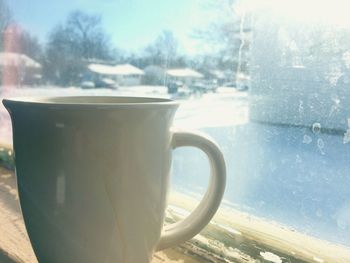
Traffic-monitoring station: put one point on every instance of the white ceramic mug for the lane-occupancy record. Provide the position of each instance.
(93, 175)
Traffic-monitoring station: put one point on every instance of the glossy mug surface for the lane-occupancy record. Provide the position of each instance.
(93, 176)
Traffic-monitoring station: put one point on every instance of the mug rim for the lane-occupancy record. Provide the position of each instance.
(86, 101)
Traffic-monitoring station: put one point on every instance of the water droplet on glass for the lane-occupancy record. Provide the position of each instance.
(316, 127)
(320, 145)
(301, 107)
(346, 137)
(307, 139)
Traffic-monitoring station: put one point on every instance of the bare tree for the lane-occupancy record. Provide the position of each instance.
(71, 45)
(5, 20)
(226, 35)
(13, 38)
(29, 45)
(163, 51)
(86, 32)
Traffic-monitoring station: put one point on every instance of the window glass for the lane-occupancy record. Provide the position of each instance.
(268, 80)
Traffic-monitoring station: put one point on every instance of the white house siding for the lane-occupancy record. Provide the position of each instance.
(129, 80)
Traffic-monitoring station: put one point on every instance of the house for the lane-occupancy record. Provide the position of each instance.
(123, 74)
(222, 76)
(128, 75)
(18, 69)
(185, 75)
(155, 75)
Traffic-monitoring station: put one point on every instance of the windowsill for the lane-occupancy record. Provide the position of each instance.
(232, 233)
(257, 235)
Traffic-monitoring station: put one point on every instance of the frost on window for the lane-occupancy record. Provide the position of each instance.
(299, 94)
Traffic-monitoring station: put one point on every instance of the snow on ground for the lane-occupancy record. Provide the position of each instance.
(213, 110)
(209, 110)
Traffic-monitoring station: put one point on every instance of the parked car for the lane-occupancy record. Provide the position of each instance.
(229, 85)
(173, 86)
(87, 84)
(240, 85)
(106, 83)
(99, 83)
(242, 82)
(204, 86)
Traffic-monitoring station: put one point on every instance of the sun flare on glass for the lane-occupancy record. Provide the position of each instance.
(334, 12)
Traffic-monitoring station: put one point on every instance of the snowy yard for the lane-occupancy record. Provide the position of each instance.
(194, 113)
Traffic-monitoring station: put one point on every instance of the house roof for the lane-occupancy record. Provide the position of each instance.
(184, 72)
(122, 69)
(101, 69)
(127, 69)
(17, 60)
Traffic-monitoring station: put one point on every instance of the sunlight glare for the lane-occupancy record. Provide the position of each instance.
(335, 12)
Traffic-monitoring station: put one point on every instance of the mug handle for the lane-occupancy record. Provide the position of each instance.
(184, 230)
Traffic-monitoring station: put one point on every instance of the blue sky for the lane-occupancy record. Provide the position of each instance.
(132, 24)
